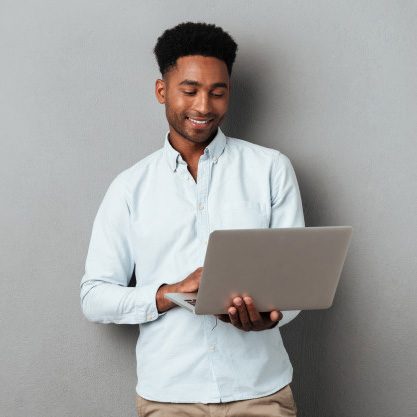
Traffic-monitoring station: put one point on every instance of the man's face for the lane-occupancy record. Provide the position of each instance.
(196, 96)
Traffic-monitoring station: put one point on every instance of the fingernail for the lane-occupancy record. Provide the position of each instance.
(248, 300)
(237, 301)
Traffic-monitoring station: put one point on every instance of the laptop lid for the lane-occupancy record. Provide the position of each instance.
(286, 268)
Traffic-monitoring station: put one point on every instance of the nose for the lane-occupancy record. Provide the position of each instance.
(202, 103)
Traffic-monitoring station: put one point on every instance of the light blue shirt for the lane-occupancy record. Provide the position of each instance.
(155, 217)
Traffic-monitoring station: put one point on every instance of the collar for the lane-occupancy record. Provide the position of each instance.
(213, 150)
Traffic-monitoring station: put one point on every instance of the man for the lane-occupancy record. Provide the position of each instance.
(156, 217)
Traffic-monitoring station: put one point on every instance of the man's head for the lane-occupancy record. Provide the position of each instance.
(195, 60)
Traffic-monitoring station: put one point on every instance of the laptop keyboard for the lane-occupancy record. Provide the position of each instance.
(192, 302)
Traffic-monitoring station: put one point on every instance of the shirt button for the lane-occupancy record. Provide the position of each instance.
(214, 160)
(211, 348)
(149, 316)
(201, 206)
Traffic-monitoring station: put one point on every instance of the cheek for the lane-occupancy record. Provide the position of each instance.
(175, 110)
(180, 108)
(221, 108)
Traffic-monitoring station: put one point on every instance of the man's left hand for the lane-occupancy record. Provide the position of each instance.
(244, 315)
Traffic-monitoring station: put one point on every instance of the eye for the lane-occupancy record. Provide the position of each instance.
(217, 95)
(189, 93)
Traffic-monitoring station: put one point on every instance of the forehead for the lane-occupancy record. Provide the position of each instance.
(204, 69)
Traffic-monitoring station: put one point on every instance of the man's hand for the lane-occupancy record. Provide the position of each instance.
(192, 282)
(188, 284)
(244, 315)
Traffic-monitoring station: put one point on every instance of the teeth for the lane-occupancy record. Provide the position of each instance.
(199, 122)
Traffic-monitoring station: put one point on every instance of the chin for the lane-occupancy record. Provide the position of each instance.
(202, 136)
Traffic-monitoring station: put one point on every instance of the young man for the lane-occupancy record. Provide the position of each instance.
(157, 216)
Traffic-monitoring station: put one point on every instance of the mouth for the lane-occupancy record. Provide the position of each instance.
(199, 123)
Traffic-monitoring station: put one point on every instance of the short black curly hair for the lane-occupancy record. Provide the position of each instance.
(191, 38)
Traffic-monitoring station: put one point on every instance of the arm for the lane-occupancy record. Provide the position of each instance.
(286, 208)
(105, 295)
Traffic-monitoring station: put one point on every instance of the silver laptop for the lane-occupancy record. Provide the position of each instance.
(294, 268)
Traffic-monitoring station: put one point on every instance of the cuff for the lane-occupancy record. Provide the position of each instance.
(146, 302)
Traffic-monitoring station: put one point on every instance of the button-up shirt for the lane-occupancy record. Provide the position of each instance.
(157, 219)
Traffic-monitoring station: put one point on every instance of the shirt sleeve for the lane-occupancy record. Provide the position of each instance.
(286, 208)
(105, 295)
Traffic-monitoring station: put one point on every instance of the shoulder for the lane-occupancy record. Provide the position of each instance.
(130, 176)
(261, 157)
(124, 183)
(242, 145)
(257, 152)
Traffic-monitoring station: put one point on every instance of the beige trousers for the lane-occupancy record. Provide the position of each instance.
(279, 404)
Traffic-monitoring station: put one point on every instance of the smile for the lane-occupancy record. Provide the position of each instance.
(199, 123)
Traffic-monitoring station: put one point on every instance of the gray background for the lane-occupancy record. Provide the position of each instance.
(332, 84)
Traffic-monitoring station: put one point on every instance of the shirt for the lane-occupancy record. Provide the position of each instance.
(156, 218)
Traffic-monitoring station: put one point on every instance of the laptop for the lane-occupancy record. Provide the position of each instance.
(294, 268)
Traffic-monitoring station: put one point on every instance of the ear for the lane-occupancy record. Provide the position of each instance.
(160, 90)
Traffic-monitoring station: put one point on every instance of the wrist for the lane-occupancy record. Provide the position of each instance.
(163, 304)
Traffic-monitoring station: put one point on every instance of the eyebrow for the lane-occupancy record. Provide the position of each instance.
(197, 84)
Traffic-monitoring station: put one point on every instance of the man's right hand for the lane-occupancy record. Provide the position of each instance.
(189, 284)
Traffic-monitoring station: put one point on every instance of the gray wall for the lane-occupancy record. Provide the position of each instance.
(332, 84)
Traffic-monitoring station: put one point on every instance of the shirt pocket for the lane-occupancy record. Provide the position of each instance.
(241, 215)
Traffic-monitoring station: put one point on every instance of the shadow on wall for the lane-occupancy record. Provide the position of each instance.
(244, 106)
(307, 338)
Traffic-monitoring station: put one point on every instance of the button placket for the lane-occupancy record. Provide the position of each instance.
(203, 178)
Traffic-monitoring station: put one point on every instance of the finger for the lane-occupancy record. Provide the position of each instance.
(254, 316)
(274, 318)
(243, 313)
(275, 315)
(234, 317)
(268, 322)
